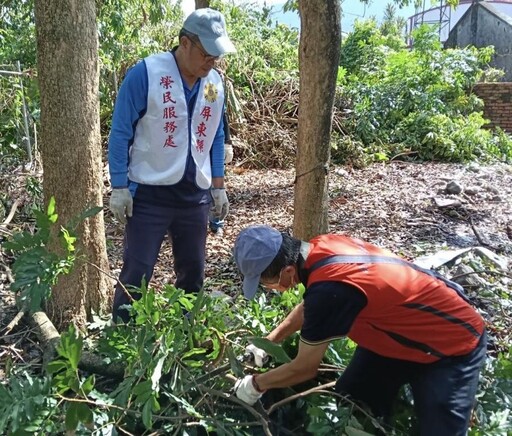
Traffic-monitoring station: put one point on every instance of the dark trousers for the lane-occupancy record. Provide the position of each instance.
(444, 391)
(144, 234)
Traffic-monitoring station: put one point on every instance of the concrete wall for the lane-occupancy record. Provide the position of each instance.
(497, 99)
(483, 25)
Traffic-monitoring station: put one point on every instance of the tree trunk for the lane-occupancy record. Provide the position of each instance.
(67, 55)
(319, 51)
(202, 4)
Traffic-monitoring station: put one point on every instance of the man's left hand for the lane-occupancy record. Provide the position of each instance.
(228, 153)
(245, 390)
(220, 207)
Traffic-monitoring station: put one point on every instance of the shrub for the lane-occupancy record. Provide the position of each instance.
(418, 102)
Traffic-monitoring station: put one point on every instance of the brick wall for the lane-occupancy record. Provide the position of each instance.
(497, 98)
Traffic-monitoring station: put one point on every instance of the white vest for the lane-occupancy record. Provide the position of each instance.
(163, 137)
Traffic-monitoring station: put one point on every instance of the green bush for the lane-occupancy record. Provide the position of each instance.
(418, 102)
(267, 52)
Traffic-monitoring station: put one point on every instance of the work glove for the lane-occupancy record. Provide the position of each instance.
(245, 390)
(228, 153)
(260, 356)
(220, 207)
(121, 203)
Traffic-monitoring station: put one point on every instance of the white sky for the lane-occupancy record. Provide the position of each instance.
(189, 5)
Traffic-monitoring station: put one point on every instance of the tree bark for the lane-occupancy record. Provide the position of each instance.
(319, 51)
(202, 4)
(67, 55)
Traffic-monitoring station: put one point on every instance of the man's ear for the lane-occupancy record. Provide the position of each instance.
(184, 41)
(289, 269)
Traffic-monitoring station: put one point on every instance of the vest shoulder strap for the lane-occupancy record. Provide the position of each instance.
(368, 258)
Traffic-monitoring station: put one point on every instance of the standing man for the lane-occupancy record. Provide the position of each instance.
(166, 155)
(411, 325)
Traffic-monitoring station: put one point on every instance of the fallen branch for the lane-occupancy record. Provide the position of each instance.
(405, 153)
(300, 395)
(322, 390)
(8, 273)
(91, 362)
(478, 235)
(259, 416)
(11, 213)
(50, 337)
(5, 231)
(14, 322)
(47, 335)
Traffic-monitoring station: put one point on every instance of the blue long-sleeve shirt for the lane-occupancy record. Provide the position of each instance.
(130, 107)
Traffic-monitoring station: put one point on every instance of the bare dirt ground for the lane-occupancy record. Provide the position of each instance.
(412, 209)
(392, 205)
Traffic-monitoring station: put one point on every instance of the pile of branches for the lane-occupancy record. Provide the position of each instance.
(264, 128)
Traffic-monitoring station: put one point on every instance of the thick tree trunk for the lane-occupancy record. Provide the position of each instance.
(67, 55)
(319, 50)
(202, 4)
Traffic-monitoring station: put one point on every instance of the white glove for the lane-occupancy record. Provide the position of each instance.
(245, 390)
(220, 207)
(121, 203)
(228, 153)
(259, 355)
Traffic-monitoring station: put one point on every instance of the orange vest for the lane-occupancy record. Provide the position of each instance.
(410, 315)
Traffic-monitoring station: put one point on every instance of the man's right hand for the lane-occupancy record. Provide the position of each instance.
(121, 204)
(260, 356)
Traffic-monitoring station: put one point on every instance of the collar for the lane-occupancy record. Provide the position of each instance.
(302, 272)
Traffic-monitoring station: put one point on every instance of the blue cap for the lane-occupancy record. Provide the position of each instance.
(255, 249)
(210, 27)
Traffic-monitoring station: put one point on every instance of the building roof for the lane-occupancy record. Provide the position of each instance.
(491, 9)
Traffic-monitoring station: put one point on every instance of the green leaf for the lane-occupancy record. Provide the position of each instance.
(29, 409)
(351, 431)
(84, 413)
(236, 366)
(52, 216)
(88, 384)
(273, 349)
(147, 414)
(193, 352)
(84, 215)
(142, 387)
(72, 420)
(123, 391)
(189, 408)
(55, 366)
(70, 347)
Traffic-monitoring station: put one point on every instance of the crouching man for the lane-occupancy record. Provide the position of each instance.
(411, 325)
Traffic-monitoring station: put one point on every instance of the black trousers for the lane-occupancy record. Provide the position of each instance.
(444, 391)
(145, 231)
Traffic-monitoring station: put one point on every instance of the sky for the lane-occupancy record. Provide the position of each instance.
(351, 10)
